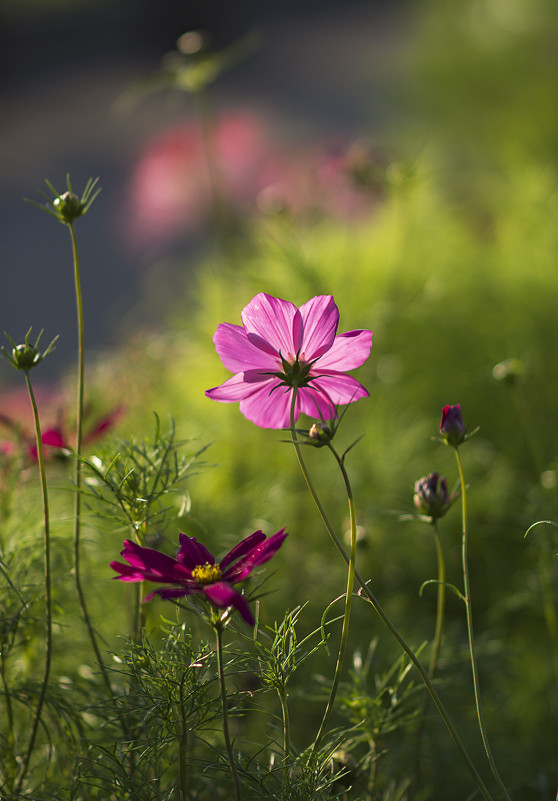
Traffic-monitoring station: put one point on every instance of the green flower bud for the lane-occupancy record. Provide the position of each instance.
(26, 356)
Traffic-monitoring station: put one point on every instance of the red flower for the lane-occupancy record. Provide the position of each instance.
(194, 571)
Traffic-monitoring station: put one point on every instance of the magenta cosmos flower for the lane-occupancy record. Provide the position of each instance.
(194, 571)
(279, 348)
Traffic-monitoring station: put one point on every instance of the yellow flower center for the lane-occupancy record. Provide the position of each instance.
(206, 574)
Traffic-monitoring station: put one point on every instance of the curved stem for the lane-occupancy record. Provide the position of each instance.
(348, 597)
(219, 632)
(387, 622)
(79, 437)
(48, 594)
(470, 636)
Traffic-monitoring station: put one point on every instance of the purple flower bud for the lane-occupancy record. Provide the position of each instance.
(452, 427)
(432, 497)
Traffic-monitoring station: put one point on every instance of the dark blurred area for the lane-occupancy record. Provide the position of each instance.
(321, 69)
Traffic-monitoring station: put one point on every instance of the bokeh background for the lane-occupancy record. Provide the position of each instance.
(400, 156)
(73, 100)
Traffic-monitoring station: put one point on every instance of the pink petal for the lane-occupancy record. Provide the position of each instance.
(222, 595)
(348, 351)
(238, 353)
(171, 592)
(315, 402)
(260, 554)
(153, 565)
(339, 387)
(242, 548)
(269, 324)
(104, 424)
(241, 386)
(320, 317)
(266, 408)
(193, 553)
(53, 437)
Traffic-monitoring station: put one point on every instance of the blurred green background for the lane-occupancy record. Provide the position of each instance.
(454, 268)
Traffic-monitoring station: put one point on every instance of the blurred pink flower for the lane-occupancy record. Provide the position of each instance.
(55, 438)
(171, 188)
(280, 348)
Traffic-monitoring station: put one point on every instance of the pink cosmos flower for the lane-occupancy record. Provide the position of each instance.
(194, 571)
(280, 348)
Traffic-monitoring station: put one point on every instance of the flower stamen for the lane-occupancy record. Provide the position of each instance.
(207, 573)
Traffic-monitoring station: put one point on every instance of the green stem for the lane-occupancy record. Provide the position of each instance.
(387, 622)
(440, 608)
(79, 437)
(470, 636)
(48, 593)
(10, 717)
(348, 595)
(282, 693)
(549, 611)
(219, 632)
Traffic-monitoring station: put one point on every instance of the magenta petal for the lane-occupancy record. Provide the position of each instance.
(222, 595)
(348, 351)
(271, 321)
(267, 408)
(339, 387)
(260, 554)
(241, 386)
(171, 592)
(153, 565)
(316, 402)
(127, 573)
(238, 353)
(242, 548)
(54, 438)
(193, 553)
(320, 317)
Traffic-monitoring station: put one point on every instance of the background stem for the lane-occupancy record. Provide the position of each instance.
(228, 746)
(470, 636)
(48, 594)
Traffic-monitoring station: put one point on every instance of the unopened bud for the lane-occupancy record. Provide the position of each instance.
(452, 427)
(432, 497)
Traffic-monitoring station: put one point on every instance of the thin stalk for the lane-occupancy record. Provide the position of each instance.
(440, 609)
(470, 636)
(348, 595)
(282, 693)
(9, 716)
(48, 592)
(79, 437)
(219, 633)
(387, 622)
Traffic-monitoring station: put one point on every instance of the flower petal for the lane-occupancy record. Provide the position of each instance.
(348, 351)
(150, 565)
(268, 406)
(242, 548)
(269, 324)
(240, 386)
(171, 592)
(260, 554)
(315, 402)
(320, 317)
(339, 387)
(221, 594)
(193, 553)
(54, 438)
(238, 353)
